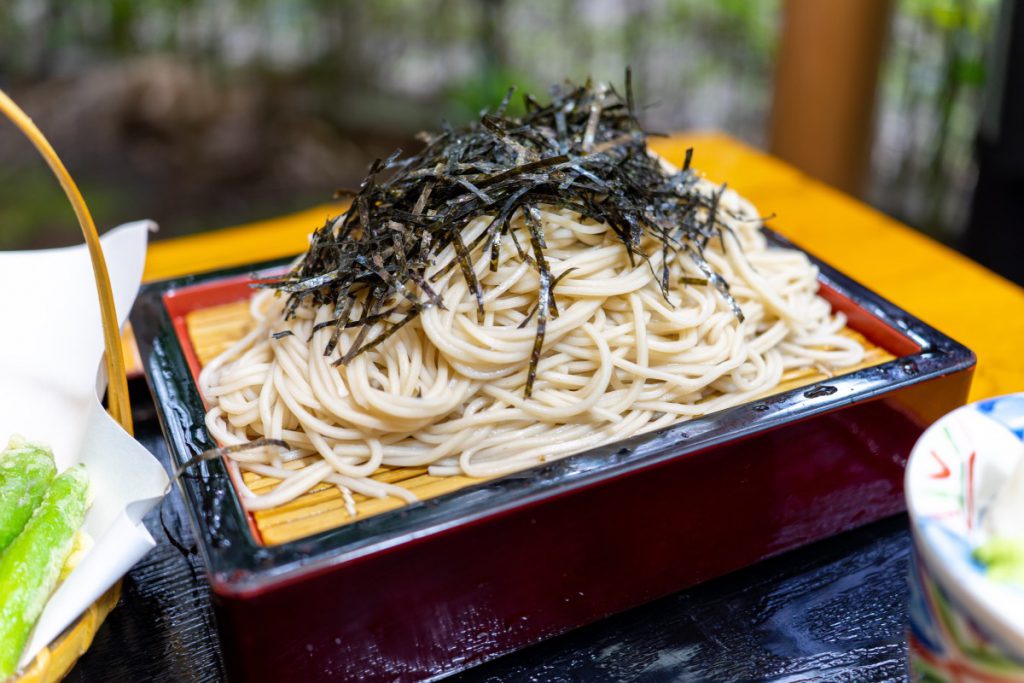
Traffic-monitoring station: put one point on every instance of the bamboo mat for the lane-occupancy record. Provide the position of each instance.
(214, 329)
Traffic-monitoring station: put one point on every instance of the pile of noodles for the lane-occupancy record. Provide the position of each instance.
(446, 390)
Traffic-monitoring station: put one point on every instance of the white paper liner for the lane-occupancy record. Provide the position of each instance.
(51, 348)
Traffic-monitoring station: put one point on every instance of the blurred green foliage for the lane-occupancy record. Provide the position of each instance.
(35, 202)
(198, 113)
(932, 93)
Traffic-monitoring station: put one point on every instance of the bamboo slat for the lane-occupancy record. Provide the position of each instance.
(214, 329)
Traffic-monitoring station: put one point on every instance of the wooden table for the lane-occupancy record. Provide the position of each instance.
(835, 609)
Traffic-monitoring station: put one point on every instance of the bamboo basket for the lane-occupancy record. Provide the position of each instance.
(55, 661)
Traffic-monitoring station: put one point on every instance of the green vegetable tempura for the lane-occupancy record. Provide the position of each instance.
(26, 469)
(31, 564)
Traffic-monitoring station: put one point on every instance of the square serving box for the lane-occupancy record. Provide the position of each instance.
(438, 586)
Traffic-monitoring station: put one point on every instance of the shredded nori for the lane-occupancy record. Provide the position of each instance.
(584, 150)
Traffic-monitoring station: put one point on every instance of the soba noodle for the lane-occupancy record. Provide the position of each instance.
(446, 390)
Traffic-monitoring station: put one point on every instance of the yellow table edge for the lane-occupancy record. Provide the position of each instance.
(931, 281)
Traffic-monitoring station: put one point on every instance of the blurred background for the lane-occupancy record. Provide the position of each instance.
(201, 115)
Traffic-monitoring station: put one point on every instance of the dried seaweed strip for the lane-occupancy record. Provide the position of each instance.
(466, 264)
(373, 302)
(630, 103)
(481, 195)
(501, 224)
(522, 170)
(347, 302)
(390, 330)
(544, 298)
(538, 340)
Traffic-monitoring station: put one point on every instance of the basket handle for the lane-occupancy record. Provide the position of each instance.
(117, 392)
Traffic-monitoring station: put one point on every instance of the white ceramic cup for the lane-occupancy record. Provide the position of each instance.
(965, 626)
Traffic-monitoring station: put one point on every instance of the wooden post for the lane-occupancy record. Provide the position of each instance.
(825, 85)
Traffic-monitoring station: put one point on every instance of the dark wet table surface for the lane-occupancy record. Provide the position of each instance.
(835, 610)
